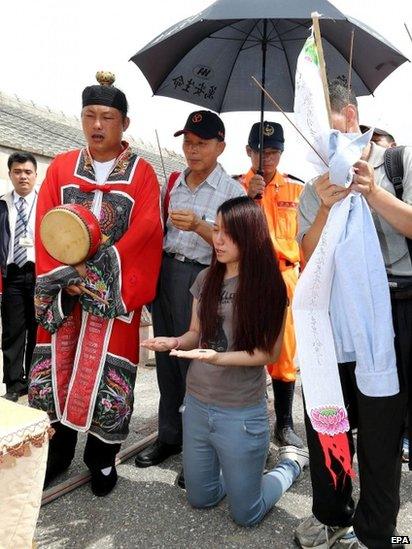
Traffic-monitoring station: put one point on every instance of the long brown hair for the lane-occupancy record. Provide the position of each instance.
(260, 300)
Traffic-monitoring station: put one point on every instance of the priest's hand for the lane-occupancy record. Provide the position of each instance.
(73, 290)
(329, 193)
(160, 344)
(185, 220)
(364, 179)
(81, 269)
(256, 186)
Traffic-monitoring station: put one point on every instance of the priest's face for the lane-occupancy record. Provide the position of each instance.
(103, 128)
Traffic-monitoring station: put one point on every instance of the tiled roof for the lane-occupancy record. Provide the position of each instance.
(26, 126)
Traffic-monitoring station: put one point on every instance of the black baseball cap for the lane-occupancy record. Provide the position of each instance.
(205, 124)
(272, 136)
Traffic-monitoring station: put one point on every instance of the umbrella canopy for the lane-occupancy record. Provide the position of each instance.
(208, 59)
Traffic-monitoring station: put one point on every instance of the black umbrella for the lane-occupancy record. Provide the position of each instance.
(208, 59)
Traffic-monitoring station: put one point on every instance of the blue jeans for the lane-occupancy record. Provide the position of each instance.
(224, 453)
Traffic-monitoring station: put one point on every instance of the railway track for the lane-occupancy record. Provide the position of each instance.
(78, 480)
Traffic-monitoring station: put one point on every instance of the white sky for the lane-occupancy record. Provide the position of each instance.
(51, 50)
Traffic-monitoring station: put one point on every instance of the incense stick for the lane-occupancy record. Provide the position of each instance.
(289, 119)
(407, 30)
(161, 156)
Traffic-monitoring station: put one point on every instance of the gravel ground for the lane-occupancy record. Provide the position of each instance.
(146, 510)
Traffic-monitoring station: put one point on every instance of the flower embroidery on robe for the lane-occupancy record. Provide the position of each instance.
(115, 401)
(40, 389)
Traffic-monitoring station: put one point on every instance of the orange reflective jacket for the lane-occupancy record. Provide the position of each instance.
(280, 204)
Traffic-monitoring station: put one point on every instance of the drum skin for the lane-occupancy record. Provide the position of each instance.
(70, 233)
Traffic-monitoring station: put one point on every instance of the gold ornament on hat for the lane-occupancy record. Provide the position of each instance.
(105, 78)
(268, 130)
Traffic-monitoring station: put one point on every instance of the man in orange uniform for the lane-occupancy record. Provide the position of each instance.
(278, 195)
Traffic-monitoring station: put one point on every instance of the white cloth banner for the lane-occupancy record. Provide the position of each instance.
(314, 337)
(361, 326)
(310, 111)
(342, 313)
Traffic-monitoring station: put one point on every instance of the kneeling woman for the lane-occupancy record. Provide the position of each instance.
(237, 321)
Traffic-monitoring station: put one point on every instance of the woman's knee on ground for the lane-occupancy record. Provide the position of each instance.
(246, 516)
(203, 499)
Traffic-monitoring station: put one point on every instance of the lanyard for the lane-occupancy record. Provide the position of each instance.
(19, 215)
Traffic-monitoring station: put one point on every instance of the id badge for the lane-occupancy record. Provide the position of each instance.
(26, 242)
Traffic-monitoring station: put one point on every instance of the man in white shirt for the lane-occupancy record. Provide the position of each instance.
(17, 219)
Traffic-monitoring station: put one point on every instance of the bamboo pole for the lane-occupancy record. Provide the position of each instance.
(322, 65)
(350, 73)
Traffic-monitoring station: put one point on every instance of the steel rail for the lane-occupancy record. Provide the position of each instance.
(78, 480)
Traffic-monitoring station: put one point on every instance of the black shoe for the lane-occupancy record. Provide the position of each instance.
(54, 469)
(180, 480)
(101, 484)
(286, 436)
(156, 453)
(13, 396)
(24, 391)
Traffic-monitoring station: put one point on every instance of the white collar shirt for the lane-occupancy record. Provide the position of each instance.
(31, 200)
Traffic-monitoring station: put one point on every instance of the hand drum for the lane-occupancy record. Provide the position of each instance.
(70, 233)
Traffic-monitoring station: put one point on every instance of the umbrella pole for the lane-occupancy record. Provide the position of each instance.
(262, 101)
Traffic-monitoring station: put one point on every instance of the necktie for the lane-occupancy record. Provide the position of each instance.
(20, 252)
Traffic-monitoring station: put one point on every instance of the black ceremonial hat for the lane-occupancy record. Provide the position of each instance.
(105, 93)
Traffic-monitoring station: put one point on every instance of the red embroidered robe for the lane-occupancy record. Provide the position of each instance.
(84, 364)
